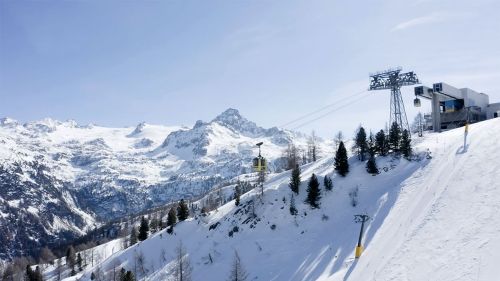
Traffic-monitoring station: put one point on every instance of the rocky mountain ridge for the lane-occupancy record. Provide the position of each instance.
(60, 179)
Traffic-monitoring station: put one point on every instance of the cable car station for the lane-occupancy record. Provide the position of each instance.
(452, 107)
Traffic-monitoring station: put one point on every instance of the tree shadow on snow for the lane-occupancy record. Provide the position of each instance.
(335, 251)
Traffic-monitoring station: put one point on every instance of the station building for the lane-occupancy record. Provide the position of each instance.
(453, 107)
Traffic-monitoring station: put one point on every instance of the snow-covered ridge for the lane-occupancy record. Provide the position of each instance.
(432, 219)
(111, 172)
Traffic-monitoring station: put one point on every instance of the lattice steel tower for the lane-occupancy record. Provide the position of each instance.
(393, 80)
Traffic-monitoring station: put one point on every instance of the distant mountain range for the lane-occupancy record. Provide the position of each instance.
(60, 179)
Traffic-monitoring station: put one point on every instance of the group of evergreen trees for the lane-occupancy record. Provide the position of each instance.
(179, 212)
(313, 191)
(33, 275)
(397, 142)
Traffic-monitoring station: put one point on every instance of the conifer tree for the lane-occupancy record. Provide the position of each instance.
(153, 225)
(128, 276)
(70, 257)
(29, 274)
(237, 194)
(327, 182)
(133, 236)
(313, 192)
(371, 165)
(360, 144)
(143, 229)
(341, 163)
(79, 262)
(171, 217)
(182, 211)
(371, 145)
(295, 179)
(381, 143)
(394, 137)
(38, 274)
(406, 144)
(293, 209)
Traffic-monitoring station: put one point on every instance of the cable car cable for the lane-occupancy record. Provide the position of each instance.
(322, 108)
(330, 112)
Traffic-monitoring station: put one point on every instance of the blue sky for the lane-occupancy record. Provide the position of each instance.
(117, 63)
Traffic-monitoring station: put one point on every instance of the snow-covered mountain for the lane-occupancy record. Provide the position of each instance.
(431, 219)
(58, 179)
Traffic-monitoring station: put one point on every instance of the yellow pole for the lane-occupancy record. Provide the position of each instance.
(359, 250)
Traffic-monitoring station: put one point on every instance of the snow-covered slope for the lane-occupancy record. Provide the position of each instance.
(432, 219)
(445, 223)
(57, 179)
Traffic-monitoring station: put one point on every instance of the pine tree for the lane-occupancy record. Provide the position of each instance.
(237, 194)
(153, 225)
(171, 217)
(143, 229)
(70, 257)
(313, 192)
(238, 273)
(293, 209)
(182, 210)
(381, 143)
(128, 276)
(360, 144)
(38, 274)
(133, 236)
(29, 275)
(79, 261)
(327, 182)
(295, 179)
(371, 165)
(406, 144)
(395, 137)
(371, 145)
(341, 163)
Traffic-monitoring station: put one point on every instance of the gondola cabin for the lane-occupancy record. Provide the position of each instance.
(259, 163)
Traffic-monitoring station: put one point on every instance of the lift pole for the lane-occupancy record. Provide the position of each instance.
(362, 219)
(393, 79)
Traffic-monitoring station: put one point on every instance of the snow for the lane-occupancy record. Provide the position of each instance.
(444, 225)
(431, 220)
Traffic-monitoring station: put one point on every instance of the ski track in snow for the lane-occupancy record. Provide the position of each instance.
(443, 221)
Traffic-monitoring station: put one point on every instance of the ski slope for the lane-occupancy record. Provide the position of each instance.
(432, 219)
(445, 224)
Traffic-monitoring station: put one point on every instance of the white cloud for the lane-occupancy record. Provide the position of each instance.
(432, 18)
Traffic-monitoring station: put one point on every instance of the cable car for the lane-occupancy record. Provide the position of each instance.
(259, 162)
(416, 102)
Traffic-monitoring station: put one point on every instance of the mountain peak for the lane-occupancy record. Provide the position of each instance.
(138, 129)
(8, 122)
(230, 115)
(232, 119)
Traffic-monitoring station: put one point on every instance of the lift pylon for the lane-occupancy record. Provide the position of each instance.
(393, 80)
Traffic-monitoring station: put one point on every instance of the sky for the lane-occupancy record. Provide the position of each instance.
(118, 63)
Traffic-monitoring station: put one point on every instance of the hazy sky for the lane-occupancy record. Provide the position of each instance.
(117, 63)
